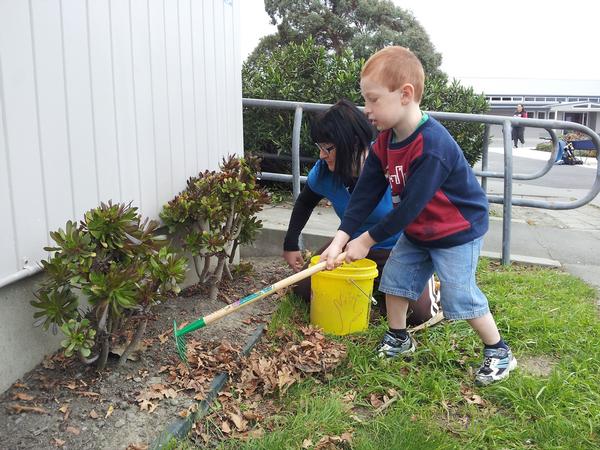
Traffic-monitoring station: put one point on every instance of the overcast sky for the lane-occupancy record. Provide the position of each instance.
(510, 38)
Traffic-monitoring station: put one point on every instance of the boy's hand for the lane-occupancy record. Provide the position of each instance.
(331, 253)
(294, 260)
(359, 247)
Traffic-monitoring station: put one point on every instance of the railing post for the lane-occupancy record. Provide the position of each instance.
(296, 160)
(296, 151)
(484, 156)
(508, 184)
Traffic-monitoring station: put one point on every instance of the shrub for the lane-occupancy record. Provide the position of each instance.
(215, 214)
(307, 72)
(123, 269)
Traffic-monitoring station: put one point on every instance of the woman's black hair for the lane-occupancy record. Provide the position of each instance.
(345, 126)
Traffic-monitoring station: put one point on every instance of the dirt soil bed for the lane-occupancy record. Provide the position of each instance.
(64, 404)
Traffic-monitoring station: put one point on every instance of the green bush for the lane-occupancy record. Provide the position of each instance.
(307, 72)
(215, 214)
(121, 266)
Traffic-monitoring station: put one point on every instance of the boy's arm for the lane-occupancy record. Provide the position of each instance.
(428, 173)
(369, 189)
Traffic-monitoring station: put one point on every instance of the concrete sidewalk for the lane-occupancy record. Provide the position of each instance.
(570, 238)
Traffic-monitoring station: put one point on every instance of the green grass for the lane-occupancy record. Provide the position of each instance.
(542, 313)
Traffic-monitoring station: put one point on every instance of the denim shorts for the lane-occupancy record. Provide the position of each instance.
(410, 266)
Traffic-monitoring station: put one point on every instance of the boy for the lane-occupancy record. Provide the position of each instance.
(438, 203)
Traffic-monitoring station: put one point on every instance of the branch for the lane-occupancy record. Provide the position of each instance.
(87, 361)
(134, 342)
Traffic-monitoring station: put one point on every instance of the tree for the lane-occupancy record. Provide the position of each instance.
(307, 72)
(363, 26)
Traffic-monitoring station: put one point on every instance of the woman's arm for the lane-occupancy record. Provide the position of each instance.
(303, 208)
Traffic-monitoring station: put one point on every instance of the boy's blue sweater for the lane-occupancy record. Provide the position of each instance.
(437, 199)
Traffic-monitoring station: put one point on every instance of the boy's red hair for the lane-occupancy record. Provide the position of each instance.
(395, 66)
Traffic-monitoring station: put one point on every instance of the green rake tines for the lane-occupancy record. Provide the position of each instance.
(180, 344)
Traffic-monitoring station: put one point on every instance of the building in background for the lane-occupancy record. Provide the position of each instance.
(571, 100)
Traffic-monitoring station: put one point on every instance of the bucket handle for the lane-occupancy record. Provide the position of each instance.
(371, 298)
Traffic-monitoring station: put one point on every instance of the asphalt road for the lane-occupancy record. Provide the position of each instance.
(560, 176)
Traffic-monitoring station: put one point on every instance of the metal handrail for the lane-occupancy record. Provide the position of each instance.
(506, 122)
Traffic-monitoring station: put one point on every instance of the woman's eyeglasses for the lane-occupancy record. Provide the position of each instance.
(327, 149)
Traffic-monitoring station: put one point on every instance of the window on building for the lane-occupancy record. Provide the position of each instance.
(496, 99)
(550, 99)
(517, 99)
(561, 99)
(584, 99)
(506, 99)
(530, 115)
(529, 99)
(552, 115)
(541, 114)
(572, 99)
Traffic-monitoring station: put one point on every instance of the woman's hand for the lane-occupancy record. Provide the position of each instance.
(294, 260)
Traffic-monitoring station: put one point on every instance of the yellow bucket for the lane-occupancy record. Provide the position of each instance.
(341, 299)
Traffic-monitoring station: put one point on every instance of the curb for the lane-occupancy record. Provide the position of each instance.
(269, 243)
(523, 259)
(179, 428)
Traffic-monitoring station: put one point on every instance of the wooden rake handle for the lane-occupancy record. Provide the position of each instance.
(271, 289)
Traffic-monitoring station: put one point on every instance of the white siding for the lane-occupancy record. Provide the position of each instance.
(103, 100)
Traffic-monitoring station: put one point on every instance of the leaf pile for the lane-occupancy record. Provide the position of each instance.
(268, 372)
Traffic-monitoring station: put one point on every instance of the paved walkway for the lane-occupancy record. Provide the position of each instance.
(569, 238)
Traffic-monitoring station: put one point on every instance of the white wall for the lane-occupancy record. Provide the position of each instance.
(100, 99)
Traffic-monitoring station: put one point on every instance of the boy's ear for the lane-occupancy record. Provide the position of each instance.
(407, 92)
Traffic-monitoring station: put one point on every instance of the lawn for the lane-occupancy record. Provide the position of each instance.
(552, 400)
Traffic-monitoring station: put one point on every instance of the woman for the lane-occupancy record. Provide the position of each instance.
(518, 133)
(343, 135)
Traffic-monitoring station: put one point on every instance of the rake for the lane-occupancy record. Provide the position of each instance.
(180, 343)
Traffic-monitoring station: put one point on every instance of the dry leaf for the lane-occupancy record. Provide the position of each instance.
(88, 394)
(64, 408)
(73, 430)
(94, 414)
(72, 385)
(307, 443)
(183, 413)
(346, 437)
(110, 410)
(18, 385)
(475, 400)
(240, 424)
(23, 396)
(333, 442)
(58, 442)
(164, 337)
(146, 405)
(48, 363)
(250, 415)
(470, 397)
(225, 428)
(139, 446)
(19, 409)
(375, 401)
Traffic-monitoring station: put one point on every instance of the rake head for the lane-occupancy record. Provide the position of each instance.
(180, 344)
